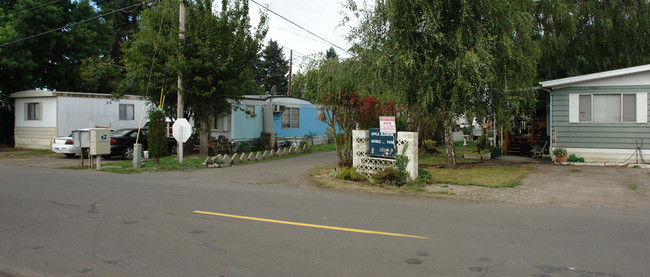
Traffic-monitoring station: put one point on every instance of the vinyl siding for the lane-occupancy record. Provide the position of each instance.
(34, 137)
(596, 135)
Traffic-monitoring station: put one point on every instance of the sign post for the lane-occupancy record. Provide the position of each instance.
(181, 130)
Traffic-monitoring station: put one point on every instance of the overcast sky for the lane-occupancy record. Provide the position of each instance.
(321, 17)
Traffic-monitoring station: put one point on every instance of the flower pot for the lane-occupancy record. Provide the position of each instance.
(562, 159)
(496, 152)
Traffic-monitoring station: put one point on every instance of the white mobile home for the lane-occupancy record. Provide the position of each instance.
(42, 115)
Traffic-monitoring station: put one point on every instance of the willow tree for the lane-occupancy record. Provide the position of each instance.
(451, 57)
(217, 58)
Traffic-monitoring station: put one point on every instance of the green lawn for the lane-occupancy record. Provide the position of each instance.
(440, 158)
(486, 176)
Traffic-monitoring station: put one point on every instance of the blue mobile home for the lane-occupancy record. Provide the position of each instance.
(290, 118)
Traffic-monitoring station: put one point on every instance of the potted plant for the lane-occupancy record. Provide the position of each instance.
(496, 152)
(561, 155)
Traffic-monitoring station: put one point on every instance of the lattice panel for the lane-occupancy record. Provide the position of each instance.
(370, 166)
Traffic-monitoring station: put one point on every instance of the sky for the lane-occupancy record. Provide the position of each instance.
(321, 17)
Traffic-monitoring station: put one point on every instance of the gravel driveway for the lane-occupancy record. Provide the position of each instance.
(547, 185)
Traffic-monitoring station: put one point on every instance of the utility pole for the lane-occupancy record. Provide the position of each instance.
(179, 96)
(290, 64)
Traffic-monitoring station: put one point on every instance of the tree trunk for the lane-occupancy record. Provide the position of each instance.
(204, 135)
(449, 142)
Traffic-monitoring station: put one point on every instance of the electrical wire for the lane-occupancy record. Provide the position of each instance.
(273, 12)
(32, 8)
(73, 24)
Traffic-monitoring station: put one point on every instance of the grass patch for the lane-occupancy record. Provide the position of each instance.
(441, 157)
(323, 148)
(170, 163)
(632, 187)
(30, 153)
(487, 176)
(575, 170)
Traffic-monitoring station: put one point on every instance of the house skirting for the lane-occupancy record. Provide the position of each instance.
(612, 155)
(34, 137)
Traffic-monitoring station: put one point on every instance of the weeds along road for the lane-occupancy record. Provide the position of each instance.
(266, 219)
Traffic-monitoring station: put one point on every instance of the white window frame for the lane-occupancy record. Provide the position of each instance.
(250, 111)
(288, 111)
(641, 107)
(36, 111)
(126, 112)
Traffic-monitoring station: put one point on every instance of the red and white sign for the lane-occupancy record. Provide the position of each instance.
(387, 124)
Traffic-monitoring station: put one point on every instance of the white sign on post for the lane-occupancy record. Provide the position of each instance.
(181, 130)
(387, 124)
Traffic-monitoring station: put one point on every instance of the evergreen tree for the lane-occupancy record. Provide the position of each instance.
(331, 54)
(273, 69)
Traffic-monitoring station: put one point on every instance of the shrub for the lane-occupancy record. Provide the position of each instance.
(388, 176)
(573, 158)
(303, 143)
(350, 173)
(430, 146)
(157, 139)
(424, 175)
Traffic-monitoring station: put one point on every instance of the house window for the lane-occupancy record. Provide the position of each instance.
(607, 108)
(291, 118)
(250, 111)
(126, 112)
(220, 124)
(34, 111)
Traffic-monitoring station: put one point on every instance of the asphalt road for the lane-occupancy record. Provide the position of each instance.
(84, 223)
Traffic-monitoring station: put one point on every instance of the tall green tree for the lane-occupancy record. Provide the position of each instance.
(451, 57)
(216, 58)
(274, 68)
(582, 37)
(36, 52)
(49, 60)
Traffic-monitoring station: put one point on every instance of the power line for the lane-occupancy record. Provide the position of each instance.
(319, 41)
(32, 8)
(264, 7)
(73, 24)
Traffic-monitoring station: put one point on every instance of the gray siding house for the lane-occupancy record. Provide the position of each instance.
(602, 117)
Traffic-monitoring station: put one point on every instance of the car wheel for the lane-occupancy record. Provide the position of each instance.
(128, 153)
(71, 155)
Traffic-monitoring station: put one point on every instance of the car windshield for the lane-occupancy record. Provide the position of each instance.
(121, 133)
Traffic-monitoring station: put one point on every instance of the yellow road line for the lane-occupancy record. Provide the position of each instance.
(310, 225)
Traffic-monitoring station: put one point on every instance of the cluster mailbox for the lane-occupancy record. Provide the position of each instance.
(100, 141)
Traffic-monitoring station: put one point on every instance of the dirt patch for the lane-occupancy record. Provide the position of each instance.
(567, 186)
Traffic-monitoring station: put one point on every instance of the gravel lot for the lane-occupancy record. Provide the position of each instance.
(547, 185)
(567, 186)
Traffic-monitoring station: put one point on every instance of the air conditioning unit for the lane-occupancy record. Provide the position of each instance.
(278, 109)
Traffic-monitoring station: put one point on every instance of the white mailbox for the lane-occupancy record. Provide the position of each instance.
(100, 141)
(81, 138)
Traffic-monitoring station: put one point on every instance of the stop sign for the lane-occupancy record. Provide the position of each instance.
(181, 130)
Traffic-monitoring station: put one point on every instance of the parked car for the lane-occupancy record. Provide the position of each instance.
(122, 142)
(65, 145)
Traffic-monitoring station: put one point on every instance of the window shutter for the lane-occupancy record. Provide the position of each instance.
(574, 110)
(642, 107)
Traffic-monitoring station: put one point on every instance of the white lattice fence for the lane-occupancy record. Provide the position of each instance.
(370, 165)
